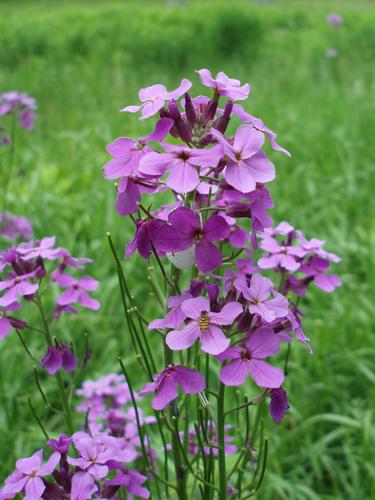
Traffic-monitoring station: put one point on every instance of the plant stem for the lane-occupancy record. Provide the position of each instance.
(60, 382)
(221, 444)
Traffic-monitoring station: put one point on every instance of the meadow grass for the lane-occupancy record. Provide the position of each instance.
(83, 61)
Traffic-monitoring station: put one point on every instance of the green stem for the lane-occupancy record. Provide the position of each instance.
(221, 444)
(59, 379)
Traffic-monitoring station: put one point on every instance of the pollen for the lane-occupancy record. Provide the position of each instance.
(204, 322)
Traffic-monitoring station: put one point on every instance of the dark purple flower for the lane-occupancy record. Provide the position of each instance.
(59, 357)
(132, 480)
(61, 444)
(165, 385)
(279, 404)
(185, 230)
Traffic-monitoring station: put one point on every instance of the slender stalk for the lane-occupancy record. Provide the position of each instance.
(221, 444)
(8, 175)
(35, 415)
(60, 382)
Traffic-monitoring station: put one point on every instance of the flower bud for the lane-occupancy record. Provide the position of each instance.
(222, 123)
(190, 111)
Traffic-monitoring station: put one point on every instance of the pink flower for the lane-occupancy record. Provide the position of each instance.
(28, 476)
(59, 357)
(181, 162)
(77, 291)
(43, 249)
(224, 86)
(247, 164)
(258, 294)
(248, 361)
(204, 325)
(154, 97)
(165, 385)
(284, 256)
(16, 287)
(8, 322)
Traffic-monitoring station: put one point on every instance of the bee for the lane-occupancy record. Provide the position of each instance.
(204, 322)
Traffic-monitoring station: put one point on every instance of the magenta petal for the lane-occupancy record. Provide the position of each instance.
(266, 375)
(166, 392)
(213, 341)
(185, 85)
(248, 140)
(70, 296)
(50, 465)
(261, 168)
(34, 488)
(279, 404)
(185, 219)
(127, 201)
(216, 229)
(83, 486)
(207, 255)
(263, 343)
(162, 128)
(235, 373)
(191, 381)
(327, 282)
(88, 283)
(86, 301)
(239, 176)
(183, 178)
(227, 315)
(178, 340)
(155, 163)
(170, 239)
(5, 327)
(192, 308)
(26, 465)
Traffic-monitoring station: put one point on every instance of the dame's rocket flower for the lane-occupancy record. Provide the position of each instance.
(16, 287)
(28, 476)
(224, 86)
(8, 322)
(185, 230)
(248, 360)
(76, 291)
(59, 357)
(247, 164)
(165, 385)
(45, 249)
(181, 162)
(258, 294)
(284, 256)
(153, 98)
(204, 325)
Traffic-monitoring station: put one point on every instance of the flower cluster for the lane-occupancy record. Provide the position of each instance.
(23, 106)
(25, 269)
(13, 227)
(81, 467)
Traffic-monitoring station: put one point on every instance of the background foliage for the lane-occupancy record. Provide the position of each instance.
(83, 61)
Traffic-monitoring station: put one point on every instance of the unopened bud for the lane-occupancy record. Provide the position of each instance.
(190, 111)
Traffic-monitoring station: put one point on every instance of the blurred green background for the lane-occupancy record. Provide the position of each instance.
(83, 61)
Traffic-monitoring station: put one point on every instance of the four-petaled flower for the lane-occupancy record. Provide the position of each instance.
(224, 86)
(258, 294)
(154, 97)
(247, 164)
(77, 291)
(248, 360)
(204, 325)
(165, 385)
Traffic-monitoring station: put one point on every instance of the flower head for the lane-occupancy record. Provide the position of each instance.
(204, 325)
(224, 86)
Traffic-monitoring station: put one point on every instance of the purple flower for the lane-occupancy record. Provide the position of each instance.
(16, 287)
(204, 325)
(279, 404)
(181, 162)
(248, 361)
(43, 249)
(224, 86)
(284, 256)
(144, 238)
(165, 385)
(83, 486)
(334, 19)
(21, 104)
(154, 97)
(127, 153)
(132, 480)
(13, 227)
(28, 476)
(77, 291)
(331, 53)
(258, 294)
(185, 230)
(247, 164)
(175, 316)
(61, 444)
(8, 322)
(95, 453)
(59, 357)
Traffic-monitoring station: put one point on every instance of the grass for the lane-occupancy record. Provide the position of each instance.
(82, 62)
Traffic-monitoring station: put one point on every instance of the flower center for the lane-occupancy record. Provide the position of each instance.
(204, 322)
(238, 155)
(184, 155)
